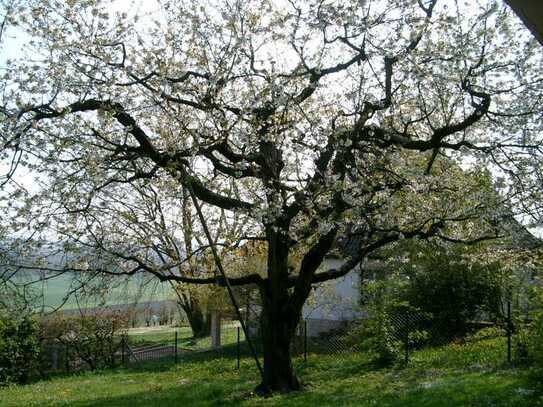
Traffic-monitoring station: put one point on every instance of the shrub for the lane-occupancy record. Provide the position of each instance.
(486, 333)
(19, 348)
(453, 290)
(383, 332)
(446, 283)
(533, 334)
(434, 292)
(90, 338)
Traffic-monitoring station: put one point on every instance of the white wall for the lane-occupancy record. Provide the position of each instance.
(335, 300)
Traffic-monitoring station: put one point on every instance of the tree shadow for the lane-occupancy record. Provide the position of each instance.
(212, 395)
(477, 390)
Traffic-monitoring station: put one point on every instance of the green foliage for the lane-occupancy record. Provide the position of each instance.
(19, 344)
(530, 335)
(382, 331)
(19, 348)
(91, 338)
(380, 338)
(536, 343)
(454, 289)
(450, 283)
(434, 291)
(486, 333)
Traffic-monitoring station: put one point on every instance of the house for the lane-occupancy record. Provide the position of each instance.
(335, 303)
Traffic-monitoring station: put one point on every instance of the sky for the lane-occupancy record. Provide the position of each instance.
(16, 40)
(15, 46)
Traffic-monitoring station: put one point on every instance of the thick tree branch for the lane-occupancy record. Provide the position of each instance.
(146, 147)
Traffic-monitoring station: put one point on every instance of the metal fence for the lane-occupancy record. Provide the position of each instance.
(63, 357)
(408, 332)
(176, 343)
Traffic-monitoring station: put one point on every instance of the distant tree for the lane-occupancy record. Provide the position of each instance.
(295, 118)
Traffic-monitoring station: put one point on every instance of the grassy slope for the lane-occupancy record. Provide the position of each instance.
(451, 376)
(56, 288)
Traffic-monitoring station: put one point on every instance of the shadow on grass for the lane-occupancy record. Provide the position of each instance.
(349, 363)
(473, 390)
(208, 394)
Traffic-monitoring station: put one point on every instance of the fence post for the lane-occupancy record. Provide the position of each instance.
(67, 357)
(238, 350)
(55, 350)
(123, 345)
(305, 340)
(509, 331)
(175, 349)
(406, 357)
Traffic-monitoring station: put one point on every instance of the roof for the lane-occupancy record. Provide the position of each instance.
(517, 237)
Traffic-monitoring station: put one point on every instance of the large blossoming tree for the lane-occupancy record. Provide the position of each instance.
(296, 118)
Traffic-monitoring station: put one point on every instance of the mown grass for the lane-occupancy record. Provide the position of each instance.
(450, 376)
(185, 340)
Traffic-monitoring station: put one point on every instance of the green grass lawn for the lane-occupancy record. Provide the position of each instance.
(185, 340)
(456, 375)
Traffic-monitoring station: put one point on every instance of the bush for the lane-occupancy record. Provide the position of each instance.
(486, 333)
(446, 283)
(19, 349)
(531, 337)
(432, 291)
(381, 338)
(91, 338)
(453, 290)
(383, 332)
(536, 343)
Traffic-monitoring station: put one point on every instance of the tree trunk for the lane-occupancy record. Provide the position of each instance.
(277, 335)
(278, 321)
(199, 322)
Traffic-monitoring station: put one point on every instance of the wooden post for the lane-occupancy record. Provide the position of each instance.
(305, 340)
(175, 349)
(215, 330)
(238, 349)
(509, 331)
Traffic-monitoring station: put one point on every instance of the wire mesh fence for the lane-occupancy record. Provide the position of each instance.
(58, 357)
(413, 337)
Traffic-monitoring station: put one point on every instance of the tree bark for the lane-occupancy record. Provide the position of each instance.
(277, 334)
(278, 321)
(199, 322)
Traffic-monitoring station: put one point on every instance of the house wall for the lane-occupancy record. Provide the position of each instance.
(333, 303)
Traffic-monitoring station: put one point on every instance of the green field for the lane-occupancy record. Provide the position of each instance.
(53, 292)
(185, 340)
(455, 375)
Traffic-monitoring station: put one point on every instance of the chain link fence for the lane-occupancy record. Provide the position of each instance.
(60, 357)
(412, 336)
